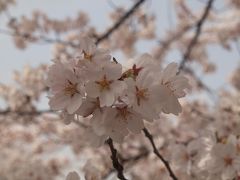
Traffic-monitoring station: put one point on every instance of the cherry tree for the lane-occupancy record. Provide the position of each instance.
(117, 112)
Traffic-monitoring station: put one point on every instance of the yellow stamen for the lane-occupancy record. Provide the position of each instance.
(71, 89)
(87, 56)
(123, 111)
(104, 83)
(141, 94)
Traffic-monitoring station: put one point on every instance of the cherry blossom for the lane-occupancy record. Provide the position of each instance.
(172, 88)
(224, 161)
(117, 101)
(73, 176)
(142, 95)
(67, 89)
(106, 85)
(108, 92)
(104, 123)
(90, 54)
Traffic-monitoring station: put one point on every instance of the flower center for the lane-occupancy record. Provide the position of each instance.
(131, 72)
(87, 56)
(104, 83)
(228, 161)
(71, 89)
(141, 94)
(123, 112)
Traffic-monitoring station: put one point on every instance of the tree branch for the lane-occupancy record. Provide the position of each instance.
(194, 40)
(130, 160)
(115, 162)
(120, 21)
(25, 113)
(165, 162)
(45, 39)
(99, 39)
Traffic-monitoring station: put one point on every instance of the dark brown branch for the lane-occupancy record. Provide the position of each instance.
(116, 164)
(194, 40)
(120, 21)
(130, 160)
(156, 152)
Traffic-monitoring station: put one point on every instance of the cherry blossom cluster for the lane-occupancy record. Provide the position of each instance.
(109, 99)
(34, 29)
(118, 101)
(4, 4)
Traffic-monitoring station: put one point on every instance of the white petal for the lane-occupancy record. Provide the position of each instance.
(135, 124)
(146, 110)
(58, 101)
(113, 71)
(101, 55)
(87, 107)
(159, 93)
(118, 125)
(106, 98)
(169, 72)
(75, 103)
(172, 106)
(88, 45)
(118, 87)
(144, 59)
(92, 89)
(97, 122)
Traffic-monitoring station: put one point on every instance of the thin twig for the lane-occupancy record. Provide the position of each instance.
(25, 113)
(45, 39)
(156, 152)
(120, 21)
(116, 164)
(99, 39)
(194, 40)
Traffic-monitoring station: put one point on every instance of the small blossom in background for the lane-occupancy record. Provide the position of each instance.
(73, 176)
(224, 160)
